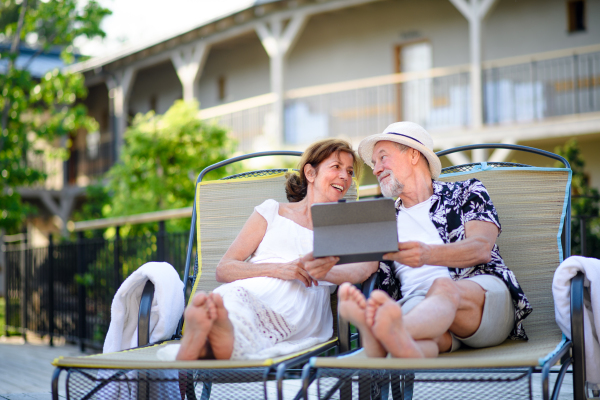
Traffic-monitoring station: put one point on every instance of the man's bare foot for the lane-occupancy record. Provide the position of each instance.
(221, 334)
(372, 306)
(199, 316)
(388, 328)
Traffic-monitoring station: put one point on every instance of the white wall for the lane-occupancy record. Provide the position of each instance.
(245, 67)
(529, 26)
(360, 42)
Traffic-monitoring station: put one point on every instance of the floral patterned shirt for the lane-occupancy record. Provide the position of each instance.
(453, 204)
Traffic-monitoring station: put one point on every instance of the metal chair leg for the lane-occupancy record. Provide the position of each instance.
(408, 386)
(55, 377)
(577, 336)
(143, 386)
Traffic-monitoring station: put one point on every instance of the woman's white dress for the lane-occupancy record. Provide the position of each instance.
(271, 316)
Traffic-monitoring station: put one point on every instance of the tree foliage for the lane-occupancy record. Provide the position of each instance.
(160, 161)
(585, 203)
(33, 110)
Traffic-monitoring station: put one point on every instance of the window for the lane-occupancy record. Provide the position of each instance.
(153, 102)
(576, 15)
(414, 97)
(221, 88)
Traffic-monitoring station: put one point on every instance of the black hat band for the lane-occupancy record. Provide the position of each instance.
(406, 136)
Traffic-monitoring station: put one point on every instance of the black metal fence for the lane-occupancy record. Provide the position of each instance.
(67, 289)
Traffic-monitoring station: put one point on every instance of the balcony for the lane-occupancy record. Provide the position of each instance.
(82, 167)
(85, 165)
(516, 91)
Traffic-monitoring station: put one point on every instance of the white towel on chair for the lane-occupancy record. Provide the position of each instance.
(167, 306)
(561, 290)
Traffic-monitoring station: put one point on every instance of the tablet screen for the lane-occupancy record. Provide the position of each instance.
(355, 231)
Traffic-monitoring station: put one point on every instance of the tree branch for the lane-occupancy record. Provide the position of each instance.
(37, 53)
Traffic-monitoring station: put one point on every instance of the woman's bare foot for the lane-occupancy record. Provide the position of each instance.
(352, 305)
(221, 334)
(388, 328)
(199, 316)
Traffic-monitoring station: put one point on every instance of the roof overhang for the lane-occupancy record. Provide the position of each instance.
(214, 31)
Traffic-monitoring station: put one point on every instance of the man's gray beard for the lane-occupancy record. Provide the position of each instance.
(391, 188)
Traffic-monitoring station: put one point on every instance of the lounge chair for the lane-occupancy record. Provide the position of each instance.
(534, 208)
(218, 216)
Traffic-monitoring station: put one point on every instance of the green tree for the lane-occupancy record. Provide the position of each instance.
(585, 202)
(37, 111)
(160, 161)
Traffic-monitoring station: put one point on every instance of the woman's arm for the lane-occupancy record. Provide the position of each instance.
(233, 265)
(353, 273)
(325, 269)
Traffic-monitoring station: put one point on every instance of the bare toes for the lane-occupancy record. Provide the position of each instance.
(358, 297)
(377, 298)
(199, 299)
(380, 296)
(217, 299)
(211, 309)
(344, 291)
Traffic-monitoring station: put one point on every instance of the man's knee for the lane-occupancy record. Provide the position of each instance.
(472, 296)
(446, 287)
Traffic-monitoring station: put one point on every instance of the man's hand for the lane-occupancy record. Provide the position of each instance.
(295, 270)
(318, 268)
(413, 254)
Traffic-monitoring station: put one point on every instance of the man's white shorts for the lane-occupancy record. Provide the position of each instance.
(498, 317)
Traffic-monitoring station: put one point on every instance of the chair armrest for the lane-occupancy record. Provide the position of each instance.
(343, 334)
(577, 336)
(144, 314)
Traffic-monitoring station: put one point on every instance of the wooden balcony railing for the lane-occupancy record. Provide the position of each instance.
(515, 90)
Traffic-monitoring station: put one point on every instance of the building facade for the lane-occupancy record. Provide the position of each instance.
(281, 74)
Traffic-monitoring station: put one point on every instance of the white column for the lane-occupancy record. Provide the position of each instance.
(277, 43)
(458, 158)
(479, 155)
(501, 155)
(188, 63)
(475, 12)
(119, 90)
(475, 50)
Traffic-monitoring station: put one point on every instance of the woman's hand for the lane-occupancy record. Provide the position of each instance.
(318, 268)
(295, 270)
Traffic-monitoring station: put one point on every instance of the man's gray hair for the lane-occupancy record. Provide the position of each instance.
(404, 148)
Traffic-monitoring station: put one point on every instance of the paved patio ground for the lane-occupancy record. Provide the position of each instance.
(26, 372)
(25, 369)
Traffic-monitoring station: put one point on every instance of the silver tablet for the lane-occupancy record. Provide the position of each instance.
(355, 231)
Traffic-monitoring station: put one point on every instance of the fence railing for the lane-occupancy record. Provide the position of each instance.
(540, 89)
(67, 289)
(516, 90)
(585, 226)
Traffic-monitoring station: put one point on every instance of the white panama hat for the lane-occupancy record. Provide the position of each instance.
(408, 134)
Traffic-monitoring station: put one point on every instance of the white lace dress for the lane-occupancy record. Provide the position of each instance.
(271, 316)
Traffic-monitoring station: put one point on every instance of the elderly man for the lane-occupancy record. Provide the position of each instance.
(455, 288)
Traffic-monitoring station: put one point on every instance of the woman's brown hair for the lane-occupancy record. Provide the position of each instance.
(314, 155)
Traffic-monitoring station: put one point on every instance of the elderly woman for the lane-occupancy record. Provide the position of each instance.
(276, 297)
